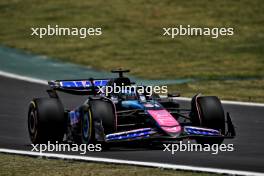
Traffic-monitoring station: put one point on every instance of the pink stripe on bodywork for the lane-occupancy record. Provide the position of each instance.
(165, 120)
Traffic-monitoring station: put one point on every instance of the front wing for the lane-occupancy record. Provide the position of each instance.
(188, 132)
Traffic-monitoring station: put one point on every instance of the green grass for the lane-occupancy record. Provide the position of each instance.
(246, 90)
(12, 165)
(132, 37)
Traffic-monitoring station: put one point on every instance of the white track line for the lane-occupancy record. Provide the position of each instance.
(23, 78)
(228, 102)
(127, 162)
(41, 81)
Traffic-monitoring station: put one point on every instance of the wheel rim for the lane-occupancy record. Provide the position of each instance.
(32, 122)
(85, 127)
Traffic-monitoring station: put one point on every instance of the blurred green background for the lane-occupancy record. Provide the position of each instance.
(229, 66)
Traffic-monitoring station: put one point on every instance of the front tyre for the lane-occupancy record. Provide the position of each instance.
(207, 112)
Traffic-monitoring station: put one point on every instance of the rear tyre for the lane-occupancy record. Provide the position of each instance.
(87, 126)
(97, 118)
(208, 112)
(103, 110)
(104, 120)
(46, 121)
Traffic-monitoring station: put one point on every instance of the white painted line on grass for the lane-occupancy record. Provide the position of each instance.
(136, 163)
(40, 81)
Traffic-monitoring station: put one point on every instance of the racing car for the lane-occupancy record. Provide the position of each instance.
(124, 116)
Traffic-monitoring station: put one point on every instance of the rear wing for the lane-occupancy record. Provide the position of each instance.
(78, 87)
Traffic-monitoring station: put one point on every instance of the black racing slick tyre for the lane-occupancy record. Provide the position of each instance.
(97, 120)
(103, 111)
(46, 121)
(207, 112)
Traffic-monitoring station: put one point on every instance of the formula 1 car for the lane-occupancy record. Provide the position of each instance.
(125, 116)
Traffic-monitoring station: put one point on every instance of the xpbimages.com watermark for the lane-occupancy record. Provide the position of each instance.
(60, 147)
(193, 147)
(147, 90)
(56, 30)
(188, 30)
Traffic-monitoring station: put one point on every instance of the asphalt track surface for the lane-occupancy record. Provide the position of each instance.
(15, 96)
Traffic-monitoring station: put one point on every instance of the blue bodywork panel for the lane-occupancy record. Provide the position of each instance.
(201, 131)
(129, 135)
(77, 84)
(82, 84)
